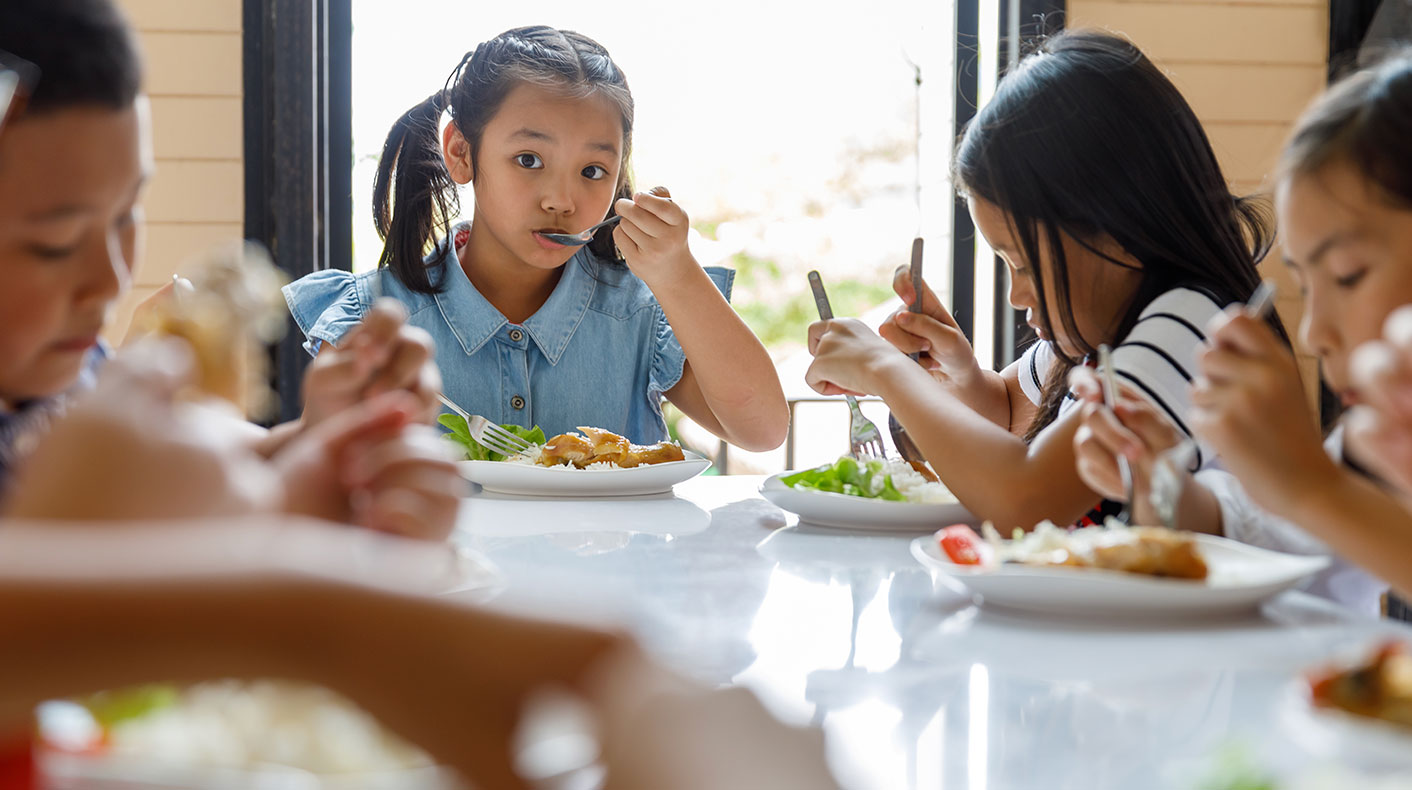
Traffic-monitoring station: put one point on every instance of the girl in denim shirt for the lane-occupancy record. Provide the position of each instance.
(529, 331)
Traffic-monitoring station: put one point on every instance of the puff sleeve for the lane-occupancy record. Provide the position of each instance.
(325, 305)
(668, 359)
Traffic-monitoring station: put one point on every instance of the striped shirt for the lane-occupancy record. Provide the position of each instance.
(1156, 359)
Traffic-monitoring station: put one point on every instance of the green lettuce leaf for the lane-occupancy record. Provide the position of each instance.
(460, 435)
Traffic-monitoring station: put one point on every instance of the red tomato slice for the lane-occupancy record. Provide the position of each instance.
(964, 546)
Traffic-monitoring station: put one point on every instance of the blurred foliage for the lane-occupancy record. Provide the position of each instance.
(1236, 768)
(785, 319)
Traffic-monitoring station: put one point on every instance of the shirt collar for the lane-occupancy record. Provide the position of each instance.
(474, 320)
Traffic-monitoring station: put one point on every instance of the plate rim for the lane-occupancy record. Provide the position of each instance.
(780, 487)
(921, 549)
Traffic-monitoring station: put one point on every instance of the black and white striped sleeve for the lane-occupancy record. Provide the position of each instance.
(1158, 357)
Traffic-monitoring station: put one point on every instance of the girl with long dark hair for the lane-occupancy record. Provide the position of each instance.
(1091, 177)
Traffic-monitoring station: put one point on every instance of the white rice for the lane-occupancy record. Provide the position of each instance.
(910, 483)
(1048, 543)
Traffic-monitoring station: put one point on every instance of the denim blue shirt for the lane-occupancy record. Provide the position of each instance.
(599, 352)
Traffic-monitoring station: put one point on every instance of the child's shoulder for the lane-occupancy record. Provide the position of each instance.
(1186, 309)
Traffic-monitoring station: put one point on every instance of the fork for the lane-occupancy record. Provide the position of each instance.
(863, 436)
(1168, 471)
(486, 432)
(1110, 399)
(904, 444)
(1167, 481)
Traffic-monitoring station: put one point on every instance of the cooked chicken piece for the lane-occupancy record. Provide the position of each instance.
(1153, 551)
(566, 448)
(1381, 688)
(607, 446)
(659, 453)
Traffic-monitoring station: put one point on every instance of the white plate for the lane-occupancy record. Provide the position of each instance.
(1240, 577)
(851, 512)
(563, 481)
(1352, 740)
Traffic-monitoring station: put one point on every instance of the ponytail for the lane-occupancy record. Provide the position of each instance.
(414, 198)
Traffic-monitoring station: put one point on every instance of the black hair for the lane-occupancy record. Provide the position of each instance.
(414, 197)
(1364, 120)
(1085, 137)
(83, 50)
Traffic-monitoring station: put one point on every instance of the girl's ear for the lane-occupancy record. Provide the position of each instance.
(456, 151)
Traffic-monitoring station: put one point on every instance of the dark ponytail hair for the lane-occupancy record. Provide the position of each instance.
(1366, 121)
(414, 197)
(1087, 138)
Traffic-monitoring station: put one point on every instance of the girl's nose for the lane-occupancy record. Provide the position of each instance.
(106, 270)
(1318, 331)
(557, 198)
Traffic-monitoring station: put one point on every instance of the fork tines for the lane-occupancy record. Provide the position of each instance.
(496, 437)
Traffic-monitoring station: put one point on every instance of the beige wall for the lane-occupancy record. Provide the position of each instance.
(192, 52)
(1248, 67)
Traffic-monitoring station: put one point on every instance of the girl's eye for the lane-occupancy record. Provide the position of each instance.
(530, 161)
(1350, 280)
(49, 253)
(595, 172)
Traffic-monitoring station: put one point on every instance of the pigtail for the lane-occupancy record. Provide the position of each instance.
(414, 197)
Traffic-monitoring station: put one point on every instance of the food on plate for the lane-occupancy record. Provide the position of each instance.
(964, 546)
(1146, 551)
(593, 448)
(598, 448)
(1381, 688)
(233, 724)
(871, 478)
(460, 434)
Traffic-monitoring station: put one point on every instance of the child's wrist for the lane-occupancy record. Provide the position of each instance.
(884, 374)
(679, 275)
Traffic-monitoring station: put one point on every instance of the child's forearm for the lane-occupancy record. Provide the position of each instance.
(988, 395)
(1363, 524)
(994, 473)
(735, 376)
(69, 637)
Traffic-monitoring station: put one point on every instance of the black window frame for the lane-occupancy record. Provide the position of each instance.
(297, 78)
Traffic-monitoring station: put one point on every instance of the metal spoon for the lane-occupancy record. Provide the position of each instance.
(580, 239)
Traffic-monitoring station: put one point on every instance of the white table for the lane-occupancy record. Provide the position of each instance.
(915, 686)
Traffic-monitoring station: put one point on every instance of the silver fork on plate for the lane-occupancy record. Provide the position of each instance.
(488, 433)
(1110, 399)
(864, 438)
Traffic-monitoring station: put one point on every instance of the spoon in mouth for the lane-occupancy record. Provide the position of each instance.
(580, 239)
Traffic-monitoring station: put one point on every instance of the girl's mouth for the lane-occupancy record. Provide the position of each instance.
(545, 242)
